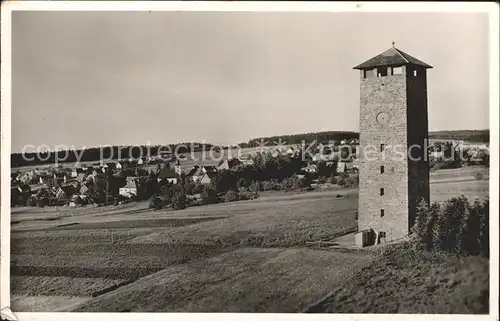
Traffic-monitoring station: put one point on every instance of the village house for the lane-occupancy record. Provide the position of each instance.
(436, 154)
(209, 169)
(207, 178)
(228, 164)
(204, 174)
(246, 160)
(197, 174)
(191, 171)
(130, 188)
(167, 173)
(80, 177)
(311, 168)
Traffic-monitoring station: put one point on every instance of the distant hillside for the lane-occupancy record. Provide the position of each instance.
(322, 137)
(95, 154)
(482, 136)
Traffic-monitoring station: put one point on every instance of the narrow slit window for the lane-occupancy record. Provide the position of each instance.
(382, 213)
(382, 146)
(415, 73)
(382, 169)
(382, 192)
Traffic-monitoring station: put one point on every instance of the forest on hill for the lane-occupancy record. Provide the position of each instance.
(482, 136)
(96, 153)
(293, 139)
(479, 136)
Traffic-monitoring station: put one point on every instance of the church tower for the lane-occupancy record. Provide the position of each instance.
(177, 168)
(393, 166)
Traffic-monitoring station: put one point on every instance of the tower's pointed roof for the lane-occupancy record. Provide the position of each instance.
(392, 56)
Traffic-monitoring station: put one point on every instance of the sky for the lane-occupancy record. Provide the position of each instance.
(83, 79)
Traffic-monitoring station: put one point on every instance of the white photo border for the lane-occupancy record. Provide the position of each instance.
(5, 129)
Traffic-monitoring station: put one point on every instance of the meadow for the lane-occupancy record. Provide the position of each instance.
(249, 256)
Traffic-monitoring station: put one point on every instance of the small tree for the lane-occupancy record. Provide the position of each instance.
(231, 196)
(179, 201)
(423, 229)
(209, 195)
(457, 226)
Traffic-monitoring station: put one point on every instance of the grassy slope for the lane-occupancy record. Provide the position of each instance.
(244, 280)
(105, 260)
(44, 303)
(406, 281)
(280, 223)
(62, 286)
(284, 220)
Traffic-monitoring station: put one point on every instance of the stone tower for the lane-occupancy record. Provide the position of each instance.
(393, 172)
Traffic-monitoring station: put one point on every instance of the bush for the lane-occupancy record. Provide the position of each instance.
(209, 195)
(457, 226)
(189, 187)
(293, 183)
(179, 201)
(322, 180)
(242, 183)
(304, 183)
(271, 185)
(198, 188)
(423, 230)
(352, 180)
(347, 180)
(43, 201)
(231, 196)
(31, 201)
(156, 203)
(332, 180)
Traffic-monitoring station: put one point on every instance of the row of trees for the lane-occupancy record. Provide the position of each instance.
(300, 138)
(456, 158)
(466, 135)
(96, 154)
(457, 226)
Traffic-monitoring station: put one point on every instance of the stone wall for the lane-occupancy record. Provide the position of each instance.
(404, 98)
(418, 133)
(386, 94)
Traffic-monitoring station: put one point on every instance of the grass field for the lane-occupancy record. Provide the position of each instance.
(63, 285)
(248, 256)
(406, 281)
(244, 280)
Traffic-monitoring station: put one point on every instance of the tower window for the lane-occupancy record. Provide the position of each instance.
(382, 71)
(369, 73)
(397, 70)
(382, 147)
(414, 73)
(382, 213)
(382, 192)
(382, 169)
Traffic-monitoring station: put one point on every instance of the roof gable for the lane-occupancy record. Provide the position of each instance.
(392, 56)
